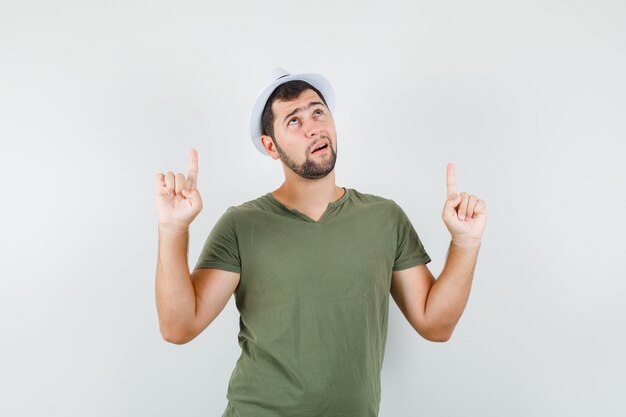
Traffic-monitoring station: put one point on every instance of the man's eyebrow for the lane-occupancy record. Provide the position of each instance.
(311, 104)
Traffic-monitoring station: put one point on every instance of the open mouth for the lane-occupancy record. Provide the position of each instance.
(321, 148)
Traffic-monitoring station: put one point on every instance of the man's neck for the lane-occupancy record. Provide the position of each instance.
(308, 196)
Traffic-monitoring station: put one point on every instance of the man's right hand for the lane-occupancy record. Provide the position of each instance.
(178, 200)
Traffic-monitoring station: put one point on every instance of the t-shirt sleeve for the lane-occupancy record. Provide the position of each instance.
(409, 249)
(221, 250)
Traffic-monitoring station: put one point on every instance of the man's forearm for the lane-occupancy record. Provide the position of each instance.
(175, 296)
(449, 294)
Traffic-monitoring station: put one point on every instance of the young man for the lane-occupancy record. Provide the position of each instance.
(311, 265)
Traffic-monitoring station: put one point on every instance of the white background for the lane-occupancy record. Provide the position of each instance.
(527, 98)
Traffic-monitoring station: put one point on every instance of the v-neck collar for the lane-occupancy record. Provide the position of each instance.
(329, 209)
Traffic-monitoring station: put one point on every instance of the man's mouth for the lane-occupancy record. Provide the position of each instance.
(321, 148)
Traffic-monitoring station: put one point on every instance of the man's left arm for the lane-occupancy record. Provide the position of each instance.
(434, 307)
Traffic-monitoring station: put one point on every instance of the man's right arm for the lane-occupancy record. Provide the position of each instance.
(187, 303)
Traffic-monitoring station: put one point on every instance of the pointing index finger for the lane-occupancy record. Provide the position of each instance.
(450, 179)
(192, 178)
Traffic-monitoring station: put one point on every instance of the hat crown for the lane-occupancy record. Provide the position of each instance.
(278, 73)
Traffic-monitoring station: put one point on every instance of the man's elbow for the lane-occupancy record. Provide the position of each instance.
(439, 338)
(175, 337)
(439, 335)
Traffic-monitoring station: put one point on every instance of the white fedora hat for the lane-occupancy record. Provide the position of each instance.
(280, 76)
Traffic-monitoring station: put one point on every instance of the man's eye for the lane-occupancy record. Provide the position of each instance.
(289, 122)
(320, 111)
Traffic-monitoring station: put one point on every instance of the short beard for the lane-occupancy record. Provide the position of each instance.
(309, 169)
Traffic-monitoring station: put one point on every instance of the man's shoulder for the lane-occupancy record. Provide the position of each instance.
(362, 198)
(260, 203)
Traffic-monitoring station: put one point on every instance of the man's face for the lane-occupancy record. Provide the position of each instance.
(300, 127)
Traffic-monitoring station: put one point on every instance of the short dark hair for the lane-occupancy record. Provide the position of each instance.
(284, 92)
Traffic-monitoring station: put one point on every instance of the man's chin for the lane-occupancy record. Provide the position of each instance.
(317, 171)
(310, 169)
(315, 177)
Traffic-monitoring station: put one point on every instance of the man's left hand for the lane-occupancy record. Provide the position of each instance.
(464, 215)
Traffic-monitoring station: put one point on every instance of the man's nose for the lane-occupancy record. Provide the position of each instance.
(313, 128)
(314, 132)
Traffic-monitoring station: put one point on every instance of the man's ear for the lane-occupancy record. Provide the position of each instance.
(268, 144)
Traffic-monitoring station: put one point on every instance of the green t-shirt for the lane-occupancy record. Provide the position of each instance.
(313, 299)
